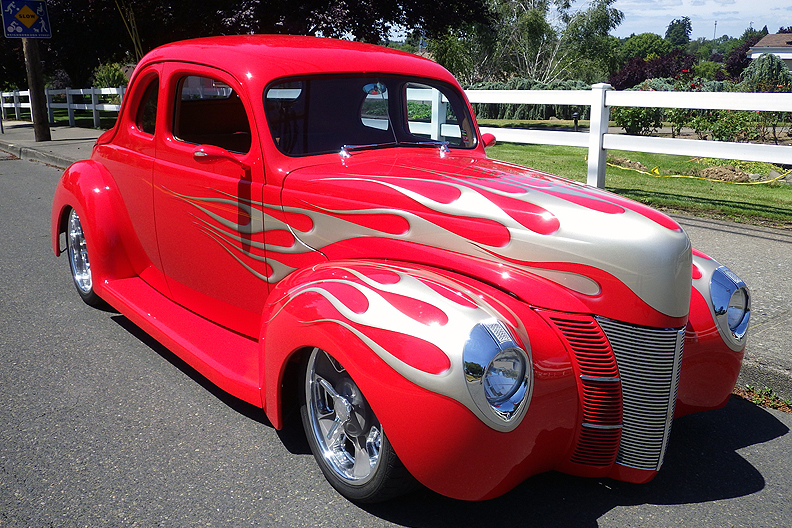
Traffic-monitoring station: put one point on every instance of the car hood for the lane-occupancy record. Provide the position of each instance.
(562, 230)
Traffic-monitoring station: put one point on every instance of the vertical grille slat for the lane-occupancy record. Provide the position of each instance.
(600, 390)
(649, 360)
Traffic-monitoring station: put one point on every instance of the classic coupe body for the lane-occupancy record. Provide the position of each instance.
(314, 223)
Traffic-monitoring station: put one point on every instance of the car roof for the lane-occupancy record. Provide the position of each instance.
(274, 56)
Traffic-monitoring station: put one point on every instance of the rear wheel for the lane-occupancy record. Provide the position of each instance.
(79, 263)
(345, 435)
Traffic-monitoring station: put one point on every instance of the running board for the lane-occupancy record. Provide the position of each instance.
(227, 359)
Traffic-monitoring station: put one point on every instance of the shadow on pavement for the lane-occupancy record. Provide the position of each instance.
(702, 464)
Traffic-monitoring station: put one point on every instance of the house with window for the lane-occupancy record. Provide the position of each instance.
(778, 44)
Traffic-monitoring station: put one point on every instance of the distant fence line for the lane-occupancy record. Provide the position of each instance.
(91, 99)
(600, 98)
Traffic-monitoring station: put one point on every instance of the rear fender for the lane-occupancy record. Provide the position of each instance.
(90, 190)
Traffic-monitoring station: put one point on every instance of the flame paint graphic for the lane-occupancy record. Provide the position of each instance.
(447, 335)
(496, 219)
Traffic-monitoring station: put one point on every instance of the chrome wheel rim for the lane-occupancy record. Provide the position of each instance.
(78, 254)
(344, 426)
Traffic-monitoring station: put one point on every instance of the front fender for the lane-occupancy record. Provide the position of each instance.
(400, 331)
(710, 363)
(89, 189)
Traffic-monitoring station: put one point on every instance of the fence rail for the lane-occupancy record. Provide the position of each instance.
(598, 140)
(601, 98)
(65, 98)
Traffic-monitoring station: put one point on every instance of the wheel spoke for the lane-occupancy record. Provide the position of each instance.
(338, 412)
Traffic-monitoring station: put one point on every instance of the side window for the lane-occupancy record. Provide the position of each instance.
(374, 110)
(146, 118)
(209, 112)
(431, 115)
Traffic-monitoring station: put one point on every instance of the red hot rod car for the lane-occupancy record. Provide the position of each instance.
(316, 221)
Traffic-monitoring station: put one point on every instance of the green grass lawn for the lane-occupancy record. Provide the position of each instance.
(82, 118)
(765, 204)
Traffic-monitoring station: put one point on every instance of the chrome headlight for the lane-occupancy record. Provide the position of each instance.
(731, 302)
(498, 374)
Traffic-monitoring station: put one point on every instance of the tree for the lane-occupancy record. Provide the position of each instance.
(750, 33)
(644, 45)
(678, 32)
(87, 33)
(738, 59)
(767, 73)
(538, 39)
(785, 29)
(638, 70)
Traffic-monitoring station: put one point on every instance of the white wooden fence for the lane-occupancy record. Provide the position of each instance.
(600, 98)
(65, 98)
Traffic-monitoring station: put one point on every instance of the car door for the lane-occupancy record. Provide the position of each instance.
(208, 179)
(129, 157)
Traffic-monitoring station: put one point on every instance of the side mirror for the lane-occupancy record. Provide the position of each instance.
(488, 139)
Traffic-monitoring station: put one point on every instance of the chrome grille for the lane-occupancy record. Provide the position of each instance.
(600, 391)
(649, 360)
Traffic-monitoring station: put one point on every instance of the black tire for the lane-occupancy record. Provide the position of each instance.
(345, 436)
(79, 263)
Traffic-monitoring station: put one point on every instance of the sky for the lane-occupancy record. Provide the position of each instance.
(732, 16)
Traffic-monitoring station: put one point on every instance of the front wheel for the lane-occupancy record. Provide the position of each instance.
(79, 263)
(345, 436)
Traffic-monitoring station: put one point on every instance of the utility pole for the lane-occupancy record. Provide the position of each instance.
(29, 21)
(38, 101)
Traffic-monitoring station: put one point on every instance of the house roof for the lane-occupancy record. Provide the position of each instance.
(776, 40)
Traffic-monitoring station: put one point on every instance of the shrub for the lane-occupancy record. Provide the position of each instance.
(109, 75)
(638, 121)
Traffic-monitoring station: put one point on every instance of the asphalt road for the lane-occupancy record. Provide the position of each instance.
(101, 426)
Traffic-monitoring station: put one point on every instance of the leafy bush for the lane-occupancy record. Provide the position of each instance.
(109, 75)
(768, 73)
(638, 121)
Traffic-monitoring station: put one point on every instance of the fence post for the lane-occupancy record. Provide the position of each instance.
(597, 156)
(50, 110)
(17, 107)
(94, 102)
(70, 106)
(439, 109)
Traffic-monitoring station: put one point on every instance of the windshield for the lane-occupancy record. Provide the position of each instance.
(316, 115)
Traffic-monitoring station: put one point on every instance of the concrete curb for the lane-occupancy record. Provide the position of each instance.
(32, 154)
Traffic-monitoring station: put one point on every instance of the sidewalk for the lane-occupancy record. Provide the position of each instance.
(760, 256)
(69, 144)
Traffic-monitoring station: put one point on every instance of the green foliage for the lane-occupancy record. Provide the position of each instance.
(540, 39)
(750, 32)
(733, 126)
(109, 75)
(678, 32)
(768, 73)
(638, 121)
(643, 46)
(709, 70)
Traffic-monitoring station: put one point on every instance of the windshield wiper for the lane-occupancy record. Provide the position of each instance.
(347, 149)
(442, 145)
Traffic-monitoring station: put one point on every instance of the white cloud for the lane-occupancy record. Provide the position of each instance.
(732, 16)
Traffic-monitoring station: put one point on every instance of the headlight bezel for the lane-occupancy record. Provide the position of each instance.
(732, 315)
(488, 353)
